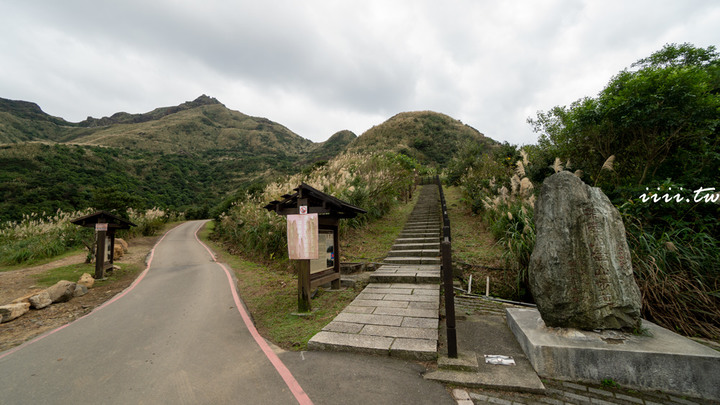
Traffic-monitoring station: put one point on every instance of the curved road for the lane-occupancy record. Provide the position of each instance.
(176, 336)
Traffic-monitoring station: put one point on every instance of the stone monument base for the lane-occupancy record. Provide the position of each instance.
(657, 359)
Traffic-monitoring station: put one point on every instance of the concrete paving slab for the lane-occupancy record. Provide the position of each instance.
(410, 298)
(423, 305)
(465, 361)
(420, 291)
(370, 296)
(343, 327)
(358, 309)
(427, 278)
(663, 360)
(400, 332)
(507, 382)
(416, 286)
(373, 290)
(350, 342)
(371, 319)
(431, 323)
(379, 303)
(412, 312)
(418, 349)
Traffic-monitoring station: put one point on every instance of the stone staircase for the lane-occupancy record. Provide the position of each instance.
(415, 256)
(397, 314)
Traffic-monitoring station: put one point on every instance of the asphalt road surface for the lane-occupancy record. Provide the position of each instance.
(180, 335)
(176, 337)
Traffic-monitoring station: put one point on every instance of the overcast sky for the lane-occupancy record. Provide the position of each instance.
(318, 67)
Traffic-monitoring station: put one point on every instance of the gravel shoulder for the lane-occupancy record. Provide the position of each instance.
(17, 283)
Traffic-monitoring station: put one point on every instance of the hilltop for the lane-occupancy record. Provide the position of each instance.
(430, 137)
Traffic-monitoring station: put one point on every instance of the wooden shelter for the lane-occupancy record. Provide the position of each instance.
(105, 225)
(326, 268)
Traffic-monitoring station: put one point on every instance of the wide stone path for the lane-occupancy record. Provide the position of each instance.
(397, 313)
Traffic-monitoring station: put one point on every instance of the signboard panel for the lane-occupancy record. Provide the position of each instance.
(101, 227)
(326, 253)
(302, 234)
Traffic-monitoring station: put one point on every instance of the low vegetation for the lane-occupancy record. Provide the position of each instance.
(650, 141)
(38, 237)
(375, 183)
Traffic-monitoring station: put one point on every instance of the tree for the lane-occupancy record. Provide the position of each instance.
(647, 117)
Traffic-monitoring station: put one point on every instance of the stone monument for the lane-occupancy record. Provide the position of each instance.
(580, 270)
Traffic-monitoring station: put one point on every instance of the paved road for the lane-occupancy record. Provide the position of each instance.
(176, 337)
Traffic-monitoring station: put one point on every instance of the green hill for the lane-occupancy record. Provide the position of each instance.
(431, 138)
(21, 121)
(190, 157)
(186, 157)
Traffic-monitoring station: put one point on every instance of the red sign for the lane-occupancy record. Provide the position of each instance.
(101, 227)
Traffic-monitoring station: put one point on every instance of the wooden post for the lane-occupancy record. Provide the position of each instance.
(304, 286)
(100, 255)
(335, 285)
(303, 270)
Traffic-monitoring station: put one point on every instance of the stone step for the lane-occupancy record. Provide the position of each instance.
(421, 228)
(393, 273)
(411, 234)
(415, 253)
(422, 224)
(412, 260)
(417, 240)
(400, 320)
(415, 246)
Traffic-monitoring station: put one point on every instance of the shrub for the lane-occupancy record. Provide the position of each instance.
(373, 182)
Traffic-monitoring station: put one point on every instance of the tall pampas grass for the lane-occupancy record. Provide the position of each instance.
(608, 165)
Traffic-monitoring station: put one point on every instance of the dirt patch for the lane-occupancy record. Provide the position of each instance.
(17, 283)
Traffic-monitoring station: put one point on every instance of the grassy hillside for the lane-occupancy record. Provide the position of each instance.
(431, 138)
(330, 148)
(21, 121)
(186, 157)
(197, 156)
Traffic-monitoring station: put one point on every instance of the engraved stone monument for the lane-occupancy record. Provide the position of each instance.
(580, 271)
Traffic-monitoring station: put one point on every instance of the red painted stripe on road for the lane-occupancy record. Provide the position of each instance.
(290, 381)
(106, 303)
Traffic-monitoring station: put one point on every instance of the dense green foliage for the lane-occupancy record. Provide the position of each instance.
(188, 158)
(36, 178)
(651, 141)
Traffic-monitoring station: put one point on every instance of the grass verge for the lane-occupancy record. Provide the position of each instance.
(269, 289)
(74, 271)
(475, 250)
(372, 242)
(40, 262)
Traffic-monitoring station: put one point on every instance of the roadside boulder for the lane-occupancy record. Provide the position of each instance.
(80, 290)
(24, 298)
(62, 291)
(11, 311)
(121, 242)
(117, 252)
(580, 271)
(87, 280)
(40, 300)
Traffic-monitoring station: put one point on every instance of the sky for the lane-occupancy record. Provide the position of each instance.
(318, 67)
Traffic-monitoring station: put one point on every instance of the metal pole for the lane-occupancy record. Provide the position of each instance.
(449, 298)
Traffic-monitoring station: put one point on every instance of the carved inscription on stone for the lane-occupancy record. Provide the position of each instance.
(580, 271)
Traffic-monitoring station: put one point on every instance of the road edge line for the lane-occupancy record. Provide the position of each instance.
(300, 395)
(103, 305)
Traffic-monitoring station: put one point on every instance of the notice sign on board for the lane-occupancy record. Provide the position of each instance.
(302, 234)
(101, 227)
